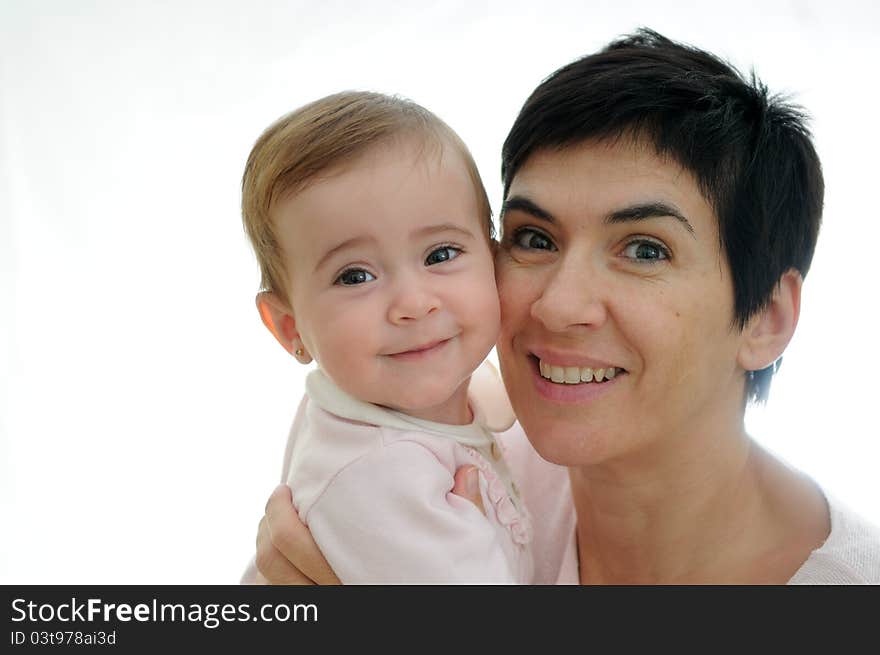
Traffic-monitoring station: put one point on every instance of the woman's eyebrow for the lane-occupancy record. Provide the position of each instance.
(637, 212)
(643, 211)
(523, 204)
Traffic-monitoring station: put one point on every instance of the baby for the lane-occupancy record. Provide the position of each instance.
(374, 238)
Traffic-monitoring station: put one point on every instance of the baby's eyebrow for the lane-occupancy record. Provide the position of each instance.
(365, 239)
(348, 243)
(442, 227)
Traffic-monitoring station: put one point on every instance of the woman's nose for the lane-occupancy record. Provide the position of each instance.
(574, 295)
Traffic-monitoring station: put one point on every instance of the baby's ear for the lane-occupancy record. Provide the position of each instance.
(768, 332)
(278, 318)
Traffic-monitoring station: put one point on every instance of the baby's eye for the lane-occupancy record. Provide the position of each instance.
(352, 276)
(442, 254)
(642, 250)
(530, 239)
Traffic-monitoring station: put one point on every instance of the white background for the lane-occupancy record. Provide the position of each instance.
(143, 407)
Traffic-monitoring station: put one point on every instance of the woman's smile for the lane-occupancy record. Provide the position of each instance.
(573, 384)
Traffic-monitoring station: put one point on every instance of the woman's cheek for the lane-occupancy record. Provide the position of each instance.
(517, 289)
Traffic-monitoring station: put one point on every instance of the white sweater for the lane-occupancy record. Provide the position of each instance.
(850, 555)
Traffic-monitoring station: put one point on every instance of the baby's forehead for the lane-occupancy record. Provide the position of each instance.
(384, 173)
(421, 150)
(403, 189)
(425, 150)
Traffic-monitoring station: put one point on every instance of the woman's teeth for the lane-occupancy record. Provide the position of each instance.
(576, 374)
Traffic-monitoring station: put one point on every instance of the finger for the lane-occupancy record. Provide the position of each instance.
(467, 485)
(282, 491)
(272, 566)
(293, 541)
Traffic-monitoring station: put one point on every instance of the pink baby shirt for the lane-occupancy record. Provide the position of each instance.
(374, 487)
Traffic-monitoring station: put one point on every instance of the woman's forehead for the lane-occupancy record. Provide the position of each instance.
(601, 177)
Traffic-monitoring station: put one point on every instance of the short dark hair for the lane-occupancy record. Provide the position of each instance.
(751, 153)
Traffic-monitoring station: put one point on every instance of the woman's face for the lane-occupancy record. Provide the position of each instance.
(611, 267)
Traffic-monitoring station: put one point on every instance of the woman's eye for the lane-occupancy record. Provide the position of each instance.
(532, 240)
(443, 254)
(645, 251)
(354, 276)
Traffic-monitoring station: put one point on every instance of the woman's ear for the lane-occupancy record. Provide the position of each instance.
(768, 332)
(278, 318)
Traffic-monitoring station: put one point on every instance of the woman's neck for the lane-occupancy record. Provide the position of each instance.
(710, 513)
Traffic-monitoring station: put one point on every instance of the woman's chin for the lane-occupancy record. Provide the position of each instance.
(567, 447)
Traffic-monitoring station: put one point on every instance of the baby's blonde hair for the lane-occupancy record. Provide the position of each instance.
(318, 136)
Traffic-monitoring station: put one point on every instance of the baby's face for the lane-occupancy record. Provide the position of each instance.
(391, 278)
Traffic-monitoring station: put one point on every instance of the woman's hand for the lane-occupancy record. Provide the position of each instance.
(286, 552)
(467, 485)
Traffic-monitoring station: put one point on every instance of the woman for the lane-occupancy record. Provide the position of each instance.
(659, 215)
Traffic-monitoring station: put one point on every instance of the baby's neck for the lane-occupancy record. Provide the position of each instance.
(454, 411)
(449, 416)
